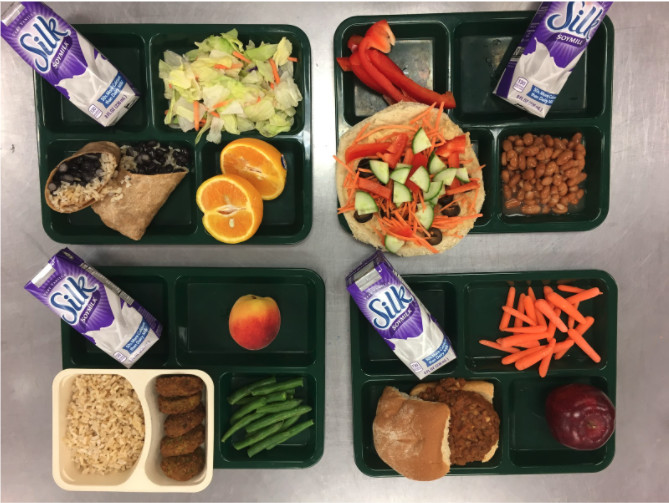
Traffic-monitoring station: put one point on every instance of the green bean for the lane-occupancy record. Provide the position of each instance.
(275, 418)
(278, 438)
(242, 392)
(285, 385)
(257, 437)
(279, 407)
(241, 423)
(249, 407)
(279, 396)
(284, 426)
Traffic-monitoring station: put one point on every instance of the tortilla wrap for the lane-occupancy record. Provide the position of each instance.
(133, 200)
(87, 196)
(402, 113)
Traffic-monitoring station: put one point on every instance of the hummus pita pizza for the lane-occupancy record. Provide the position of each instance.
(408, 180)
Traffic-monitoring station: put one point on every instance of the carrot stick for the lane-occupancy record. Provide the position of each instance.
(551, 325)
(546, 361)
(518, 322)
(292, 58)
(239, 55)
(275, 70)
(584, 295)
(518, 339)
(463, 188)
(583, 327)
(221, 104)
(512, 358)
(495, 345)
(525, 345)
(529, 309)
(215, 114)
(530, 293)
(196, 115)
(547, 290)
(526, 330)
(561, 348)
(570, 289)
(559, 301)
(571, 321)
(531, 359)
(506, 317)
(541, 321)
(514, 312)
(221, 67)
(547, 310)
(587, 348)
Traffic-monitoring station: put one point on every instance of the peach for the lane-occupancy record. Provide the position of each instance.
(254, 321)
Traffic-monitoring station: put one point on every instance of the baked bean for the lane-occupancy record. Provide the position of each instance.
(554, 200)
(573, 198)
(531, 162)
(544, 200)
(551, 168)
(522, 162)
(564, 200)
(577, 138)
(506, 145)
(538, 185)
(504, 158)
(512, 138)
(513, 161)
(530, 195)
(548, 140)
(532, 209)
(557, 152)
(557, 179)
(546, 181)
(553, 190)
(518, 150)
(507, 192)
(571, 173)
(528, 139)
(573, 188)
(563, 189)
(580, 148)
(505, 176)
(579, 164)
(541, 169)
(545, 210)
(512, 154)
(545, 193)
(530, 151)
(514, 180)
(577, 180)
(538, 142)
(560, 209)
(518, 142)
(521, 194)
(512, 203)
(528, 174)
(580, 193)
(564, 157)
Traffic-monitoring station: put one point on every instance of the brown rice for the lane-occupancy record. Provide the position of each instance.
(105, 424)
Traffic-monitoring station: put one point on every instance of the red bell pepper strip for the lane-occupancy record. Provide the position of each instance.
(361, 73)
(381, 36)
(344, 64)
(419, 160)
(365, 150)
(372, 187)
(457, 144)
(395, 74)
(395, 151)
(453, 160)
(388, 88)
(408, 156)
(354, 42)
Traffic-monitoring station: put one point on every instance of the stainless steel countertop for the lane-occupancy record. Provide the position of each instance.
(629, 245)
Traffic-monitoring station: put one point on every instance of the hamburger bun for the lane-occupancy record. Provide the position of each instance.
(411, 435)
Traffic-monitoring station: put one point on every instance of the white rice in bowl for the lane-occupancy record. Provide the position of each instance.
(105, 424)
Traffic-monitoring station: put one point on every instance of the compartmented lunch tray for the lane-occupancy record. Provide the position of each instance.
(136, 49)
(466, 54)
(468, 307)
(194, 304)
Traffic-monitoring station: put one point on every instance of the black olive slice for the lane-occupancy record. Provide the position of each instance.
(435, 236)
(452, 211)
(362, 218)
(445, 199)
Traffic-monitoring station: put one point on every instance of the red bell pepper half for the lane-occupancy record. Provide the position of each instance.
(365, 150)
(395, 74)
(375, 188)
(396, 150)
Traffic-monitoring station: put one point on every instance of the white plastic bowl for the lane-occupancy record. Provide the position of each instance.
(146, 475)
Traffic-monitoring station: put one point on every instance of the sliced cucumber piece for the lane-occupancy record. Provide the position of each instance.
(462, 175)
(447, 176)
(403, 165)
(400, 174)
(435, 164)
(364, 203)
(401, 194)
(420, 141)
(425, 215)
(393, 244)
(421, 178)
(433, 190)
(380, 170)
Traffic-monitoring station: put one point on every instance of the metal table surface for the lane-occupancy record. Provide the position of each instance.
(630, 245)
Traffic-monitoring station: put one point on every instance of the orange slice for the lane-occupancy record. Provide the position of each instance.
(258, 162)
(232, 208)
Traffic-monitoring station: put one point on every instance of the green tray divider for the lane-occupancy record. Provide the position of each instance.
(314, 372)
(503, 462)
(599, 86)
(145, 122)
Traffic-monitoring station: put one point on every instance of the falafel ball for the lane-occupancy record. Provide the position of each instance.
(180, 424)
(178, 404)
(184, 467)
(178, 385)
(185, 444)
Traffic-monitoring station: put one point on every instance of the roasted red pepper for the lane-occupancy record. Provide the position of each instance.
(365, 150)
(375, 188)
(395, 151)
(344, 64)
(396, 76)
(361, 73)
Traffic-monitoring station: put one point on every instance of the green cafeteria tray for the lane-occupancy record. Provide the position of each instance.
(468, 307)
(193, 304)
(466, 53)
(136, 49)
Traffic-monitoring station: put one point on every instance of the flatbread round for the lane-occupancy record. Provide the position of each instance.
(402, 113)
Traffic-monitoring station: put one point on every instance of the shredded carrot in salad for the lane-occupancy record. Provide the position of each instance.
(402, 222)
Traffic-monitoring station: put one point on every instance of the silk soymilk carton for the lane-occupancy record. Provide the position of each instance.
(59, 54)
(399, 316)
(548, 52)
(95, 307)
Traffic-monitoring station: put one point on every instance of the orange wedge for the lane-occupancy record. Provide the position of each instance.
(258, 162)
(232, 208)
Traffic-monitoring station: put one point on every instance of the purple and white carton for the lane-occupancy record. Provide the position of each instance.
(548, 52)
(399, 316)
(68, 61)
(95, 307)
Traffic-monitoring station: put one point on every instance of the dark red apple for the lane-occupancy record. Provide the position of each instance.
(580, 416)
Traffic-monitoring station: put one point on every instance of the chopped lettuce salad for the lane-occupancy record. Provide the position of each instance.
(220, 86)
